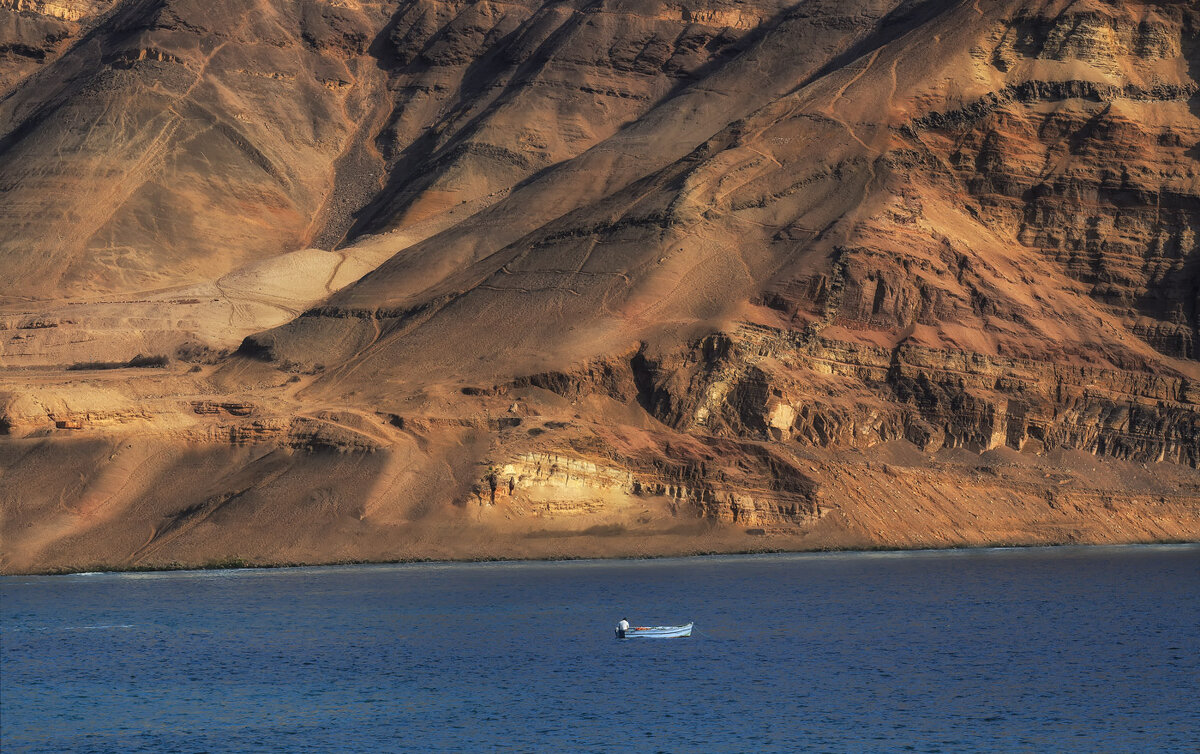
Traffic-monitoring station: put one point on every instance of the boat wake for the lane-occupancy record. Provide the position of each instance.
(98, 627)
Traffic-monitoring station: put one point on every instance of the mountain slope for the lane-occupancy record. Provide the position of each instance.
(489, 279)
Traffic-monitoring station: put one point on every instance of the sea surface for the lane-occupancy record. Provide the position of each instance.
(1060, 649)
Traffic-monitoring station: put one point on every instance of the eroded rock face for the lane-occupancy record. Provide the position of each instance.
(762, 387)
(549, 279)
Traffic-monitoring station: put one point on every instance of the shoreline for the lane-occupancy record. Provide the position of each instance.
(242, 564)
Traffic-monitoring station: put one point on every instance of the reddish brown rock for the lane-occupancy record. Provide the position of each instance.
(430, 279)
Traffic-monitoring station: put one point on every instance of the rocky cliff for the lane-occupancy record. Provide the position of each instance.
(318, 281)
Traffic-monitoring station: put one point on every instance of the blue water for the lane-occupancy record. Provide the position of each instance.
(1070, 649)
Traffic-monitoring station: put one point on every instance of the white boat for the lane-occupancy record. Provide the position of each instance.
(655, 632)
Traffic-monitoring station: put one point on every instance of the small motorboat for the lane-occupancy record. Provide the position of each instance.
(655, 632)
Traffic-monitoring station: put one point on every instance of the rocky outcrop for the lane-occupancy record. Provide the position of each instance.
(758, 383)
(553, 483)
(66, 10)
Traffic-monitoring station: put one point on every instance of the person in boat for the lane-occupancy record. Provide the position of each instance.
(622, 627)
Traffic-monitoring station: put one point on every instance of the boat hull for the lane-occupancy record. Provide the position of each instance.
(657, 632)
